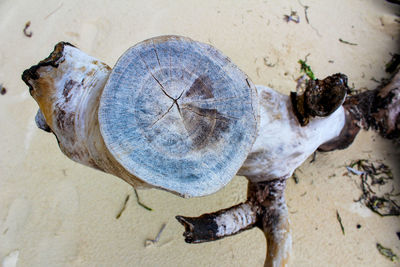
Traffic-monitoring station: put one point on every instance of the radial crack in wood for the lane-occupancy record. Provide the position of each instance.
(120, 122)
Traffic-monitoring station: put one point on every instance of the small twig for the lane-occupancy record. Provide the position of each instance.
(140, 203)
(387, 252)
(346, 42)
(149, 242)
(123, 207)
(28, 34)
(340, 221)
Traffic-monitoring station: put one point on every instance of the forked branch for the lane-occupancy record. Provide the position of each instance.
(265, 208)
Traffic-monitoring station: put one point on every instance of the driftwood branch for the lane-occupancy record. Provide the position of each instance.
(377, 109)
(265, 208)
(214, 226)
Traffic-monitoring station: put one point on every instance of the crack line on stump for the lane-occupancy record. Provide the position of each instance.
(161, 86)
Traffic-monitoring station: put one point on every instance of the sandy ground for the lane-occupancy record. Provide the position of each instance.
(54, 212)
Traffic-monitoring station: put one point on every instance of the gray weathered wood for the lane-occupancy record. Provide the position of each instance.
(179, 115)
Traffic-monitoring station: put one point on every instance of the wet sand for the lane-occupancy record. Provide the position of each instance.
(55, 212)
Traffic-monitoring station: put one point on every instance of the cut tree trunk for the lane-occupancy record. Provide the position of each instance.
(173, 113)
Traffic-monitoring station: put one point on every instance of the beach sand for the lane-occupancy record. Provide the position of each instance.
(55, 212)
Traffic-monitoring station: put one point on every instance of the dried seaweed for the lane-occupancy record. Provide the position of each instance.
(346, 42)
(305, 7)
(126, 202)
(305, 11)
(340, 221)
(387, 252)
(140, 203)
(26, 33)
(123, 207)
(374, 175)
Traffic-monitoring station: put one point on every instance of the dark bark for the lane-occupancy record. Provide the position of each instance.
(320, 99)
(377, 109)
(394, 1)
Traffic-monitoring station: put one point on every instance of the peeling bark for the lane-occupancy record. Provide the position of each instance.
(265, 208)
(214, 226)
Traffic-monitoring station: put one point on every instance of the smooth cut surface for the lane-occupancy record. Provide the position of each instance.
(179, 115)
